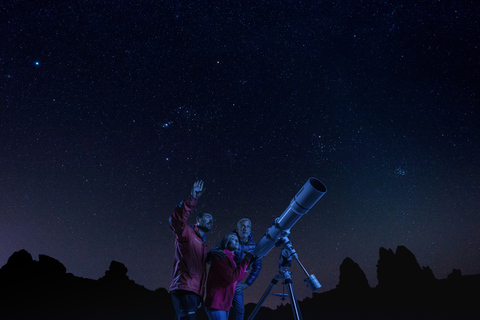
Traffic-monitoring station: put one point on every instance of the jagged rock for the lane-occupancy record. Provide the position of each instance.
(410, 271)
(400, 270)
(49, 265)
(117, 271)
(427, 275)
(455, 275)
(352, 277)
(19, 261)
(20, 268)
(78, 298)
(386, 268)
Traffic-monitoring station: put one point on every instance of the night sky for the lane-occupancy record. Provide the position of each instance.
(110, 110)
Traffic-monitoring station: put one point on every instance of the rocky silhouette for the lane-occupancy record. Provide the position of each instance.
(352, 277)
(43, 289)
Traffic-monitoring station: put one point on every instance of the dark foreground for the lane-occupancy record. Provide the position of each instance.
(42, 289)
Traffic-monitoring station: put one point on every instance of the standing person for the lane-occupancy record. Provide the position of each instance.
(223, 277)
(189, 264)
(247, 245)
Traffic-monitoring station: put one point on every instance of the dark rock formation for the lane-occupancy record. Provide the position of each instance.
(117, 272)
(20, 263)
(352, 277)
(455, 275)
(400, 271)
(51, 266)
(42, 289)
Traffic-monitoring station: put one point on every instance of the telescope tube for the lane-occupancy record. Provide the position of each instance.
(303, 201)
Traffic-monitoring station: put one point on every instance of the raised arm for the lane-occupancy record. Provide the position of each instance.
(181, 213)
(197, 189)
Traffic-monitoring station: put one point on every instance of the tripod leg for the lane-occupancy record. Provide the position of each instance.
(297, 315)
(265, 295)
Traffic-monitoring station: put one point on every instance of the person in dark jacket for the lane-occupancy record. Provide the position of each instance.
(244, 231)
(246, 244)
(189, 264)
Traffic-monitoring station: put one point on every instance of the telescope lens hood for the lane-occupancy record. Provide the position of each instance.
(310, 193)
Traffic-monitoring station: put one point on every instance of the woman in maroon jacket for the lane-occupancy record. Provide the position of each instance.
(223, 277)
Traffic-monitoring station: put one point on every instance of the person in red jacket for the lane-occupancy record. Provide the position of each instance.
(189, 264)
(223, 277)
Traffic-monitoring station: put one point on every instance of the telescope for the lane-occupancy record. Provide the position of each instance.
(277, 235)
(303, 201)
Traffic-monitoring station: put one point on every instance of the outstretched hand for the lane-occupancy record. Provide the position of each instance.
(197, 189)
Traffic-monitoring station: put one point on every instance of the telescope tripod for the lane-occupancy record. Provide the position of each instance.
(297, 315)
(285, 262)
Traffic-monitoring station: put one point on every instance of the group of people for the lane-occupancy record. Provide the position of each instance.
(229, 262)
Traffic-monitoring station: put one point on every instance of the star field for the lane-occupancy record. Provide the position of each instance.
(110, 110)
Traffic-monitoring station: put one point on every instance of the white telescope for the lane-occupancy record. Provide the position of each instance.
(303, 201)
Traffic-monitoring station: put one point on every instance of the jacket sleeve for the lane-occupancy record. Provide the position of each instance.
(209, 255)
(230, 274)
(180, 215)
(252, 276)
